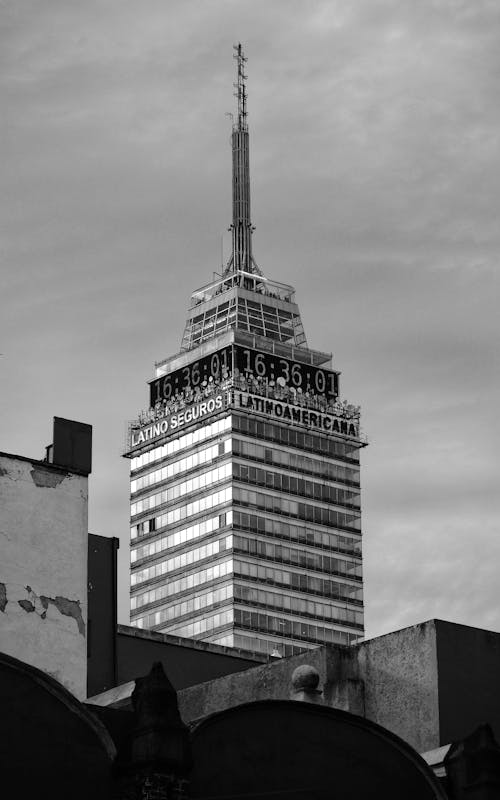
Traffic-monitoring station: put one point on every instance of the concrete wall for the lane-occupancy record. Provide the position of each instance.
(391, 680)
(43, 568)
(338, 677)
(430, 684)
(399, 672)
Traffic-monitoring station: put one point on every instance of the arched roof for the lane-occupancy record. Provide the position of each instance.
(302, 750)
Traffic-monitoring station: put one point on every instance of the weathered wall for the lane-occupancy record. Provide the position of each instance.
(335, 665)
(430, 684)
(399, 672)
(391, 680)
(43, 568)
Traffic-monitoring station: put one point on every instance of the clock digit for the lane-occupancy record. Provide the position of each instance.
(214, 365)
(185, 377)
(334, 385)
(296, 375)
(167, 388)
(247, 368)
(260, 365)
(286, 369)
(319, 380)
(195, 373)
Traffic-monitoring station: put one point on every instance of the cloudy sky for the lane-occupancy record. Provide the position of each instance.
(376, 193)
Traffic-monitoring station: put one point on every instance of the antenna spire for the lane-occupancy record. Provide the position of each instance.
(241, 226)
(240, 86)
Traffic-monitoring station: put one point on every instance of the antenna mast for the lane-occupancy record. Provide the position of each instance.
(241, 226)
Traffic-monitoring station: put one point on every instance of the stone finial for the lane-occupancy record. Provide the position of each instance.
(304, 684)
(160, 734)
(154, 699)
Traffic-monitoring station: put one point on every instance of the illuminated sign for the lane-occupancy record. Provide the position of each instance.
(297, 414)
(178, 420)
(251, 365)
(297, 376)
(193, 376)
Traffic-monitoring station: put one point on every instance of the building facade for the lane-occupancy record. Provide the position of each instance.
(245, 490)
(43, 556)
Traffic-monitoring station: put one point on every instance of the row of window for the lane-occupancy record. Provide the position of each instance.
(181, 465)
(298, 558)
(270, 647)
(199, 331)
(291, 508)
(191, 606)
(297, 533)
(216, 319)
(181, 443)
(183, 584)
(195, 484)
(289, 484)
(297, 605)
(296, 461)
(203, 626)
(182, 512)
(180, 537)
(182, 560)
(287, 435)
(276, 626)
(227, 640)
(300, 583)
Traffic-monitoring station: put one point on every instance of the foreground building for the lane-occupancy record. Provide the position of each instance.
(245, 490)
(43, 556)
(227, 722)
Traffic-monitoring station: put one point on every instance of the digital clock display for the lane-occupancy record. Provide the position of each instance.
(248, 363)
(214, 367)
(283, 371)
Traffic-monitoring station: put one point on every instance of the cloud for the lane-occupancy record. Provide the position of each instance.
(374, 159)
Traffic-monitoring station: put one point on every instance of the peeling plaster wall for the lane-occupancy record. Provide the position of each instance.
(43, 568)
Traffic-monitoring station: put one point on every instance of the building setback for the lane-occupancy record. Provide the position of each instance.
(245, 491)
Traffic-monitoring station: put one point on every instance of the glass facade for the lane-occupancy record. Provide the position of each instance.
(255, 315)
(246, 531)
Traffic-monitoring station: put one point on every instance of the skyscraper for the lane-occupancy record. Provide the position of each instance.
(245, 491)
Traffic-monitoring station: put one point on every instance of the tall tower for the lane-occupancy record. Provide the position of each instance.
(245, 491)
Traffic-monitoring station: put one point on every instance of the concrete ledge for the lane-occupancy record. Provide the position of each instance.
(118, 697)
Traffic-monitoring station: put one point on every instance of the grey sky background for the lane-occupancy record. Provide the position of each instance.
(376, 193)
